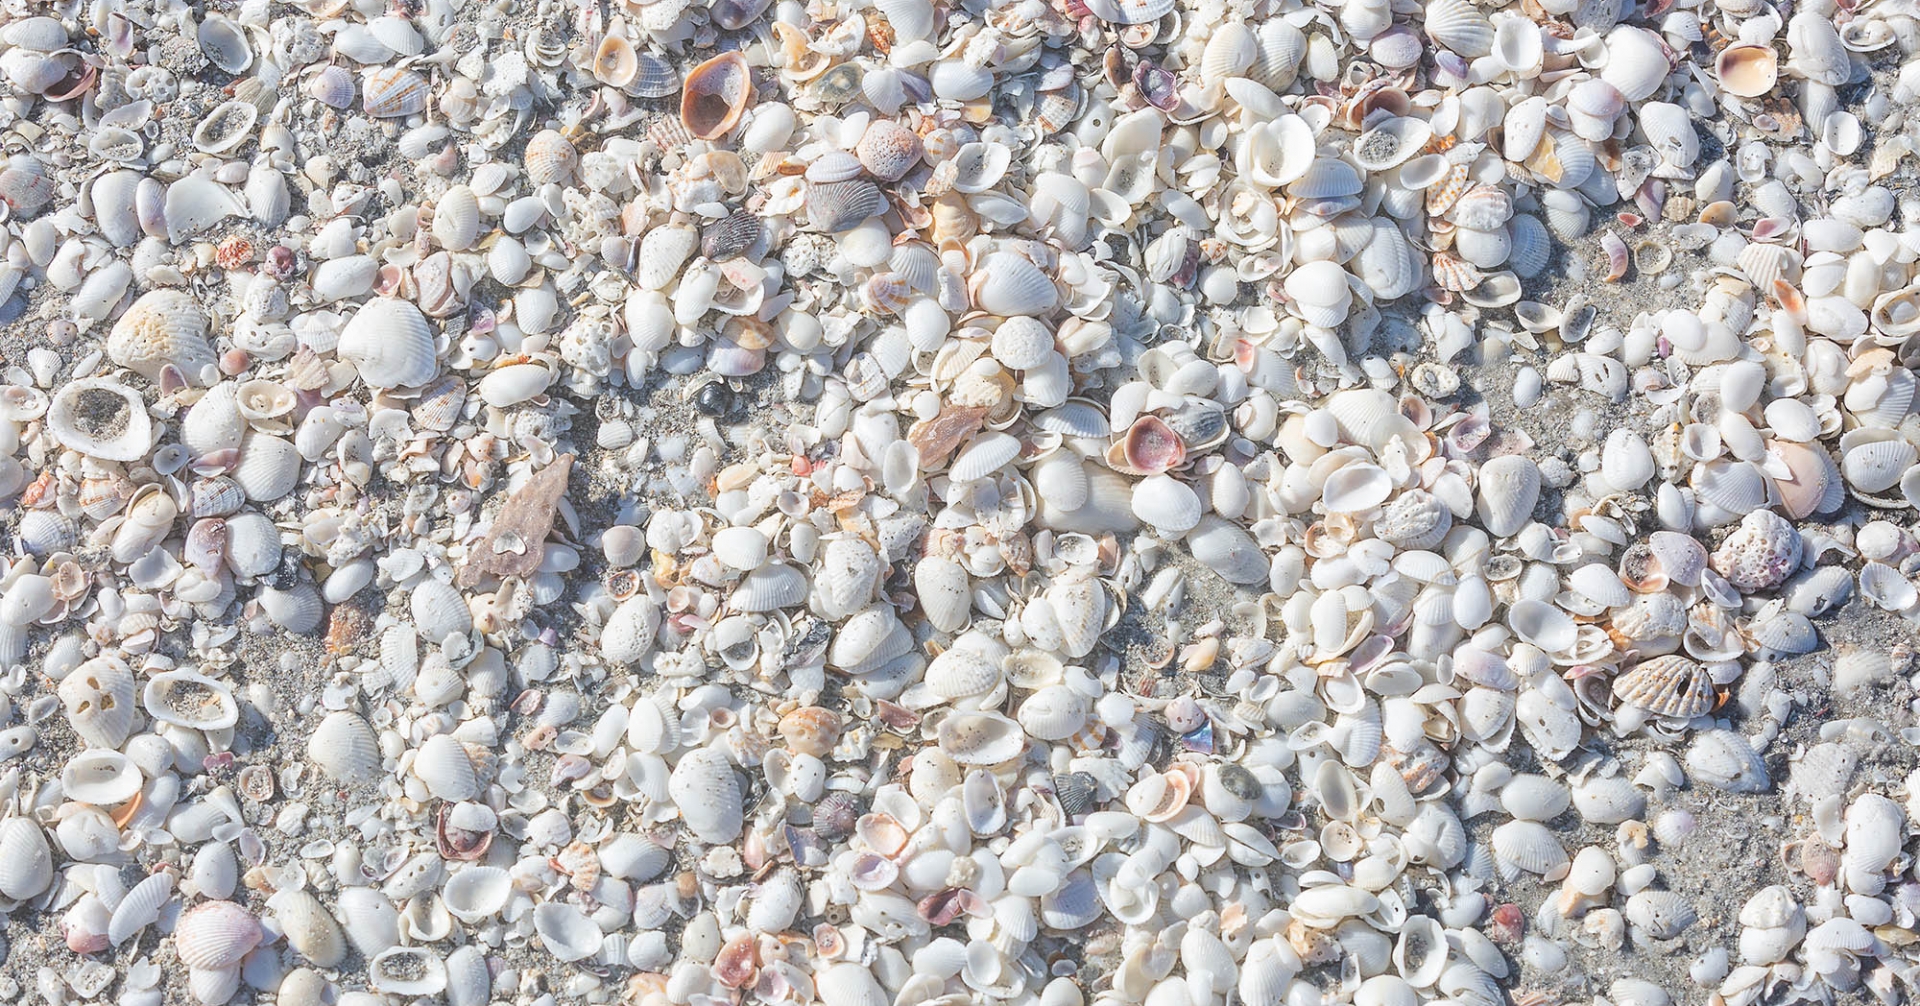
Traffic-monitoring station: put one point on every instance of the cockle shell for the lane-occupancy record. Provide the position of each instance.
(216, 934)
(99, 700)
(344, 747)
(391, 344)
(26, 861)
(1459, 26)
(707, 791)
(1509, 487)
(393, 92)
(1667, 686)
(162, 328)
(550, 158)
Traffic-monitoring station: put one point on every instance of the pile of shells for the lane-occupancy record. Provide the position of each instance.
(1064, 502)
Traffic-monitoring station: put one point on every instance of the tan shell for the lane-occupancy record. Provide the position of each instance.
(1667, 686)
(715, 95)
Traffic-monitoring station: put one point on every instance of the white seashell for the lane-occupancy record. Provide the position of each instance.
(1166, 503)
(225, 127)
(1007, 285)
(848, 984)
(980, 738)
(1053, 713)
(1664, 915)
(194, 204)
(477, 892)
(188, 699)
(1390, 143)
(515, 383)
(986, 454)
(139, 908)
(1356, 488)
(390, 343)
(102, 419)
(253, 544)
(1517, 46)
(1509, 487)
(945, 592)
(1459, 26)
(1636, 62)
(344, 747)
(1626, 461)
(1877, 466)
(1226, 549)
(268, 469)
(707, 791)
(1528, 846)
(1725, 760)
(443, 766)
(100, 777)
(162, 328)
(566, 932)
(310, 929)
(408, 971)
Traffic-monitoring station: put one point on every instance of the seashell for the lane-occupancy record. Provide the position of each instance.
(225, 44)
(1517, 46)
(1626, 461)
(332, 86)
(310, 929)
(654, 77)
(550, 158)
(1169, 505)
(1529, 846)
(834, 207)
(979, 166)
(1747, 70)
(1883, 585)
(1356, 488)
(140, 907)
(615, 63)
(980, 738)
(390, 343)
(1543, 625)
(477, 892)
(444, 768)
(162, 328)
(1637, 62)
(566, 932)
(191, 700)
(100, 777)
(215, 934)
(1760, 553)
(715, 94)
(1663, 914)
(1009, 285)
(253, 544)
(1509, 487)
(707, 791)
(98, 698)
(1460, 26)
(1226, 549)
(102, 419)
(268, 469)
(344, 747)
(1877, 466)
(1667, 686)
(225, 127)
(456, 217)
(848, 984)
(407, 971)
(392, 92)
(1725, 760)
(1390, 143)
(888, 150)
(1053, 713)
(986, 454)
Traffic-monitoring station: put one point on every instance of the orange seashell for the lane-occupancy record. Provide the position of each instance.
(811, 730)
(715, 95)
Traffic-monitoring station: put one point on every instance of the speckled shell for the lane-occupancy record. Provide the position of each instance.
(1760, 553)
(707, 790)
(391, 92)
(1667, 686)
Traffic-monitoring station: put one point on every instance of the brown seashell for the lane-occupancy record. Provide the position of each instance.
(811, 730)
(1667, 686)
(937, 437)
(715, 95)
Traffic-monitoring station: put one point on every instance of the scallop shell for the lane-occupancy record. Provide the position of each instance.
(834, 207)
(654, 77)
(1008, 285)
(707, 790)
(102, 419)
(163, 328)
(715, 94)
(1460, 26)
(1509, 487)
(391, 344)
(1664, 915)
(1667, 686)
(1877, 466)
(393, 92)
(1528, 846)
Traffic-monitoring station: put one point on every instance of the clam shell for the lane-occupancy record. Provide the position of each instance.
(225, 44)
(1460, 26)
(188, 699)
(1747, 70)
(1008, 285)
(225, 127)
(100, 777)
(98, 697)
(214, 935)
(344, 747)
(1391, 142)
(444, 768)
(980, 738)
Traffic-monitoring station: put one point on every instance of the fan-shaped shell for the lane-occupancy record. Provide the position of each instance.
(392, 92)
(1460, 26)
(390, 342)
(98, 696)
(216, 934)
(165, 327)
(1667, 686)
(344, 747)
(444, 767)
(1509, 487)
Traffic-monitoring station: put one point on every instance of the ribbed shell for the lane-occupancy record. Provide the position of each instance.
(707, 790)
(164, 327)
(215, 935)
(1668, 686)
(345, 748)
(391, 344)
(99, 700)
(392, 92)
